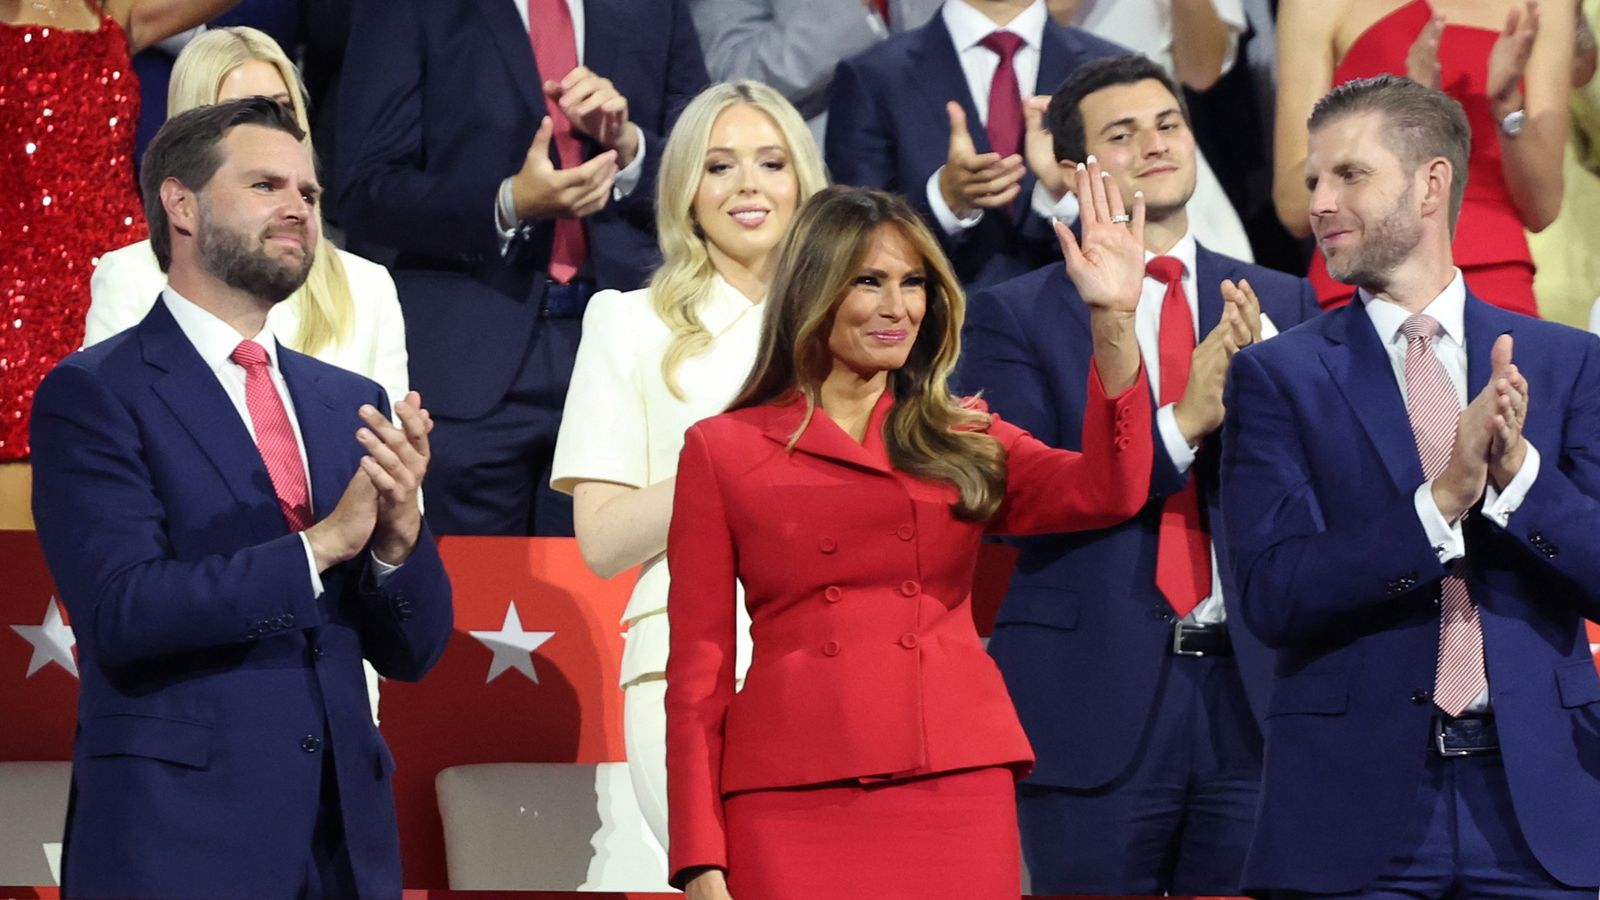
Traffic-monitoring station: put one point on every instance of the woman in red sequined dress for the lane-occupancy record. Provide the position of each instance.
(1509, 64)
(68, 106)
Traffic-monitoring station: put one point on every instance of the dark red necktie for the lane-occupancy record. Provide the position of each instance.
(555, 51)
(274, 435)
(882, 6)
(1005, 96)
(1183, 549)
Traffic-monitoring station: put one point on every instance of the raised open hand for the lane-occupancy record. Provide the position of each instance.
(1107, 264)
(1508, 59)
(1422, 60)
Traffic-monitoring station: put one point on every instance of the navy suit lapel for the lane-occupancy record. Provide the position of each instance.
(602, 23)
(1484, 324)
(1056, 59)
(937, 68)
(329, 432)
(510, 37)
(1209, 271)
(1362, 371)
(196, 399)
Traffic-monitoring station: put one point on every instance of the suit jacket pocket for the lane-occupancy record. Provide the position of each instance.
(170, 740)
(1578, 683)
(1319, 694)
(1034, 605)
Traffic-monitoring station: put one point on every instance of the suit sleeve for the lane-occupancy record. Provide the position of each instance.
(686, 77)
(1050, 490)
(1558, 522)
(389, 190)
(1300, 581)
(700, 667)
(102, 528)
(998, 360)
(791, 46)
(406, 623)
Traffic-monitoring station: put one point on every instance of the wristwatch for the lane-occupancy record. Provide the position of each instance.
(1511, 125)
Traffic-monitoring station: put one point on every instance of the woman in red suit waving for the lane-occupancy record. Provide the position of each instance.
(873, 750)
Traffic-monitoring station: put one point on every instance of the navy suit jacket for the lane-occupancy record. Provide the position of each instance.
(213, 682)
(887, 128)
(1082, 634)
(1335, 571)
(438, 104)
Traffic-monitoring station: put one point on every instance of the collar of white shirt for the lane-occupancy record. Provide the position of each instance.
(213, 338)
(967, 26)
(1449, 309)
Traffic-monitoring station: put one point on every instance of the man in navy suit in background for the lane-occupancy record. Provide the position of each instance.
(938, 114)
(1411, 495)
(233, 527)
(1134, 687)
(504, 152)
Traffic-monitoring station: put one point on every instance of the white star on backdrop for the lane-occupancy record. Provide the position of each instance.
(513, 648)
(52, 641)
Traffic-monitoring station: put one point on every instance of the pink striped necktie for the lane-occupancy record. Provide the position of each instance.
(274, 435)
(1434, 407)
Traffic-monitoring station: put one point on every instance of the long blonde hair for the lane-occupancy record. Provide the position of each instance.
(679, 288)
(327, 309)
(929, 433)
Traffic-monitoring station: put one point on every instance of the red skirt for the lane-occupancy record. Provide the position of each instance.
(951, 835)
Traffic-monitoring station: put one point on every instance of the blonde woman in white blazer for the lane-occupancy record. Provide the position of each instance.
(347, 314)
(652, 362)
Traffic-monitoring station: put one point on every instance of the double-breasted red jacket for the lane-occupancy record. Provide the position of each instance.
(858, 579)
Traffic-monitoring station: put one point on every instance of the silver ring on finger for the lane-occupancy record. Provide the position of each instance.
(1121, 219)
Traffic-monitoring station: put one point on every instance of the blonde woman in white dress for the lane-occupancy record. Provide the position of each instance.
(347, 314)
(655, 361)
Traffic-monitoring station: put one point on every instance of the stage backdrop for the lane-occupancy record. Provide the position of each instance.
(530, 674)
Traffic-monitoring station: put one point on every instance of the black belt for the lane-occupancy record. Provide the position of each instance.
(1465, 735)
(566, 301)
(1191, 639)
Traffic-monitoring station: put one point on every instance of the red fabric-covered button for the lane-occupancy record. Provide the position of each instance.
(830, 648)
(910, 588)
(833, 593)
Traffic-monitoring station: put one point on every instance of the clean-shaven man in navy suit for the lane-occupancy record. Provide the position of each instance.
(1135, 689)
(233, 527)
(1411, 496)
(504, 153)
(938, 114)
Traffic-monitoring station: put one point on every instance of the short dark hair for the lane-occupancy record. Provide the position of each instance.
(1065, 114)
(186, 149)
(1420, 124)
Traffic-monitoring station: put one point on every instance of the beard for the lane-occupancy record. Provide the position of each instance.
(1383, 248)
(240, 261)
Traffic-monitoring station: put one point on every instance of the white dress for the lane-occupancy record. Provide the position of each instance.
(622, 424)
(127, 281)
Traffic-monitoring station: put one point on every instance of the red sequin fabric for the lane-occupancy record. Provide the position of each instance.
(69, 102)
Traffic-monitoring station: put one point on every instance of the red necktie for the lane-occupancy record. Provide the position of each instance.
(1183, 548)
(1433, 405)
(1005, 97)
(555, 52)
(274, 435)
(882, 6)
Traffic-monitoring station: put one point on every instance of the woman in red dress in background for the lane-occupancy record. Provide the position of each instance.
(69, 103)
(1506, 61)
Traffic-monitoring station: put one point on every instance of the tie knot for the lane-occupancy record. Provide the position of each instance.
(1165, 269)
(249, 353)
(1002, 42)
(1420, 328)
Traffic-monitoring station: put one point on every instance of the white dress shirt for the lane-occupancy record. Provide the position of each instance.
(1147, 329)
(1145, 26)
(1449, 347)
(968, 27)
(627, 177)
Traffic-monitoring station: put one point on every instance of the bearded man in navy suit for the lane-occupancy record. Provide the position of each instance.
(233, 527)
(1139, 695)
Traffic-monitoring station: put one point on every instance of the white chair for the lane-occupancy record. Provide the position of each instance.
(34, 797)
(547, 827)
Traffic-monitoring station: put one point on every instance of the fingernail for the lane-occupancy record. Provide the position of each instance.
(1139, 194)
(1091, 159)
(1080, 165)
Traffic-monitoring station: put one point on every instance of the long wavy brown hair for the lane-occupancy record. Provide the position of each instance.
(929, 433)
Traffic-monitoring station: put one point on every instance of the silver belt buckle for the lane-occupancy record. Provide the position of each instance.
(1178, 629)
(1438, 743)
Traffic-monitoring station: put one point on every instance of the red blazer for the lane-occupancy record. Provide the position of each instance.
(858, 578)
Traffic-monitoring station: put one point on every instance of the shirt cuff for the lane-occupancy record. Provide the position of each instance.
(505, 211)
(1065, 209)
(628, 178)
(948, 220)
(1178, 449)
(1499, 505)
(381, 570)
(311, 566)
(1447, 540)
